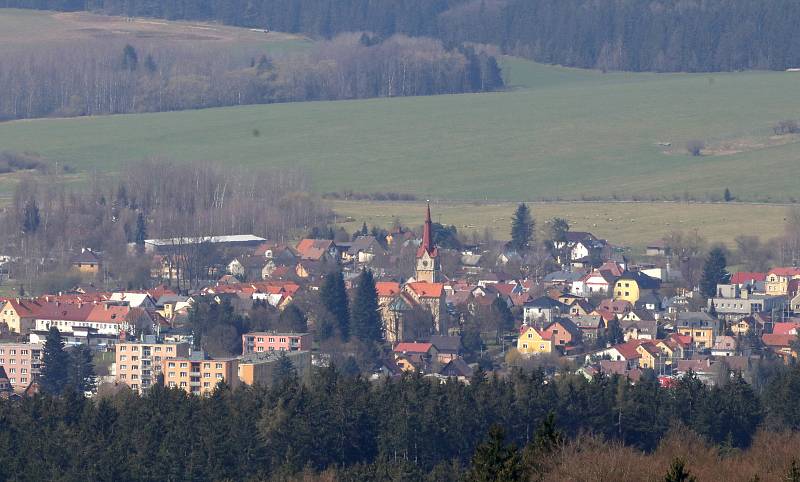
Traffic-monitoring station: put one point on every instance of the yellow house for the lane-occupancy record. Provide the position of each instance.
(650, 355)
(19, 315)
(777, 282)
(701, 327)
(87, 262)
(533, 342)
(632, 285)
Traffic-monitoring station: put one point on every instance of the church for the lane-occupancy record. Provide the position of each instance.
(405, 308)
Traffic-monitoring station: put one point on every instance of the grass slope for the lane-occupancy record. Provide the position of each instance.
(557, 133)
(627, 224)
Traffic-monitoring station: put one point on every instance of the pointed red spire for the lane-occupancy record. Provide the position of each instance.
(427, 235)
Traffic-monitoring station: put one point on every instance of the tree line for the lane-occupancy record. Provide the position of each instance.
(364, 430)
(639, 35)
(48, 221)
(111, 77)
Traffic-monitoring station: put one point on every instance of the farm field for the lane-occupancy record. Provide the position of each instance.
(622, 223)
(31, 28)
(557, 133)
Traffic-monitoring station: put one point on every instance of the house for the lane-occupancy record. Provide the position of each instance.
(533, 341)
(724, 346)
(19, 315)
(457, 368)
(649, 356)
(563, 332)
(134, 299)
(592, 284)
(615, 306)
(639, 329)
(21, 362)
(592, 326)
(777, 281)
(700, 326)
(632, 285)
(138, 363)
(782, 345)
(733, 302)
(746, 279)
(264, 368)
(86, 262)
(543, 309)
(657, 248)
(317, 250)
(363, 250)
(419, 354)
(580, 307)
(448, 347)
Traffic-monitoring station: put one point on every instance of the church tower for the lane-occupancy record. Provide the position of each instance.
(428, 268)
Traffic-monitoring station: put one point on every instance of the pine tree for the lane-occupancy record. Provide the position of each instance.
(727, 195)
(334, 298)
(55, 364)
(495, 461)
(130, 59)
(522, 226)
(365, 318)
(678, 473)
(81, 369)
(714, 272)
(141, 231)
(31, 218)
(793, 474)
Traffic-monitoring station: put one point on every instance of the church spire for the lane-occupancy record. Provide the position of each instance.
(427, 237)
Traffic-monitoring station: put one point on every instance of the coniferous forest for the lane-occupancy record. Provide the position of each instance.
(407, 429)
(637, 35)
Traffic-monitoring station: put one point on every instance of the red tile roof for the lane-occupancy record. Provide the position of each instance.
(778, 341)
(387, 288)
(786, 328)
(742, 277)
(424, 289)
(784, 271)
(413, 347)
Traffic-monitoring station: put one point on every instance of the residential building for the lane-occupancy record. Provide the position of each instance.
(632, 285)
(265, 341)
(21, 362)
(87, 262)
(199, 374)
(543, 309)
(19, 315)
(700, 326)
(777, 282)
(733, 303)
(139, 363)
(533, 341)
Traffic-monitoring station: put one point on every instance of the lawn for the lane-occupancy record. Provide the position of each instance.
(626, 224)
(557, 133)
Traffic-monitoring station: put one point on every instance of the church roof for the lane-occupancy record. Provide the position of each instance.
(427, 237)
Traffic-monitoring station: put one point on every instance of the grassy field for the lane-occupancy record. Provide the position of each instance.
(30, 28)
(628, 224)
(557, 133)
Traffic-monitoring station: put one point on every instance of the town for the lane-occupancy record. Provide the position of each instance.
(573, 304)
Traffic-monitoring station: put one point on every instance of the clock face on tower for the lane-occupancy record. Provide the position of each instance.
(424, 263)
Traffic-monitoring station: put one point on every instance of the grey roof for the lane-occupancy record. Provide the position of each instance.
(450, 344)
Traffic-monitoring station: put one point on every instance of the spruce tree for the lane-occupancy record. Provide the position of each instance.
(365, 318)
(334, 298)
(522, 226)
(714, 272)
(81, 369)
(54, 374)
(678, 473)
(496, 461)
(141, 231)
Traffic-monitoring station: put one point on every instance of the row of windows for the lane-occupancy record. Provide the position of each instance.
(136, 348)
(14, 351)
(184, 375)
(21, 380)
(218, 366)
(14, 370)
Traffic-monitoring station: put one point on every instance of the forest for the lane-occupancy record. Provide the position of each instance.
(637, 35)
(78, 78)
(340, 427)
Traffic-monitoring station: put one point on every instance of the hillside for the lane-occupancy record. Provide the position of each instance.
(558, 133)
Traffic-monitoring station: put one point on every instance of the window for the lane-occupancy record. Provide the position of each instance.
(206, 384)
(156, 348)
(23, 380)
(123, 367)
(171, 364)
(134, 358)
(123, 358)
(184, 365)
(697, 333)
(183, 374)
(169, 349)
(122, 376)
(183, 384)
(206, 365)
(134, 377)
(260, 339)
(172, 374)
(134, 348)
(206, 375)
(261, 348)
(219, 366)
(524, 345)
(219, 375)
(171, 384)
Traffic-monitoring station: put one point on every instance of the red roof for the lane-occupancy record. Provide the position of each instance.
(786, 328)
(684, 340)
(424, 289)
(427, 237)
(25, 308)
(628, 349)
(413, 347)
(66, 311)
(387, 288)
(778, 341)
(784, 271)
(742, 277)
(105, 313)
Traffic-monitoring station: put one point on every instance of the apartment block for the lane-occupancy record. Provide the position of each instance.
(199, 374)
(138, 363)
(262, 342)
(21, 362)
